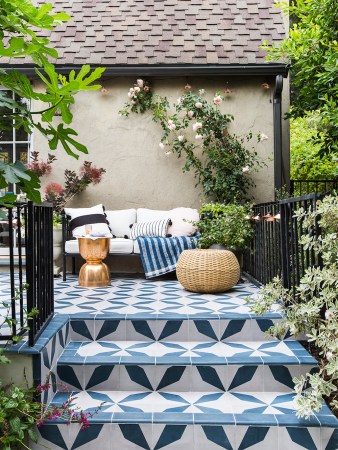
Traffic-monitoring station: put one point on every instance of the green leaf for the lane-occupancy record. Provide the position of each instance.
(33, 435)
(15, 424)
(62, 136)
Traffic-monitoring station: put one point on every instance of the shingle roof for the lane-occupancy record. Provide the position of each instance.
(110, 32)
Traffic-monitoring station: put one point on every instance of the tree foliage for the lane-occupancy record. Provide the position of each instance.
(312, 49)
(20, 23)
(305, 162)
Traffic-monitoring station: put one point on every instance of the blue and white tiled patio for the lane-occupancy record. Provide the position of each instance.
(174, 370)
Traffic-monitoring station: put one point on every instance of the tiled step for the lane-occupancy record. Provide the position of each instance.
(107, 328)
(127, 365)
(192, 420)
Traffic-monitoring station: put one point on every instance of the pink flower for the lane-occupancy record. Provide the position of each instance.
(198, 105)
(190, 114)
(246, 170)
(104, 90)
(140, 83)
(265, 86)
(53, 189)
(198, 137)
(262, 137)
(130, 94)
(167, 153)
(161, 145)
(217, 100)
(196, 126)
(137, 89)
(187, 87)
(227, 91)
(180, 138)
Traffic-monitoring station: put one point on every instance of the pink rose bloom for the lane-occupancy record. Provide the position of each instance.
(172, 127)
(217, 100)
(190, 114)
(198, 105)
(180, 138)
(137, 89)
(196, 126)
(140, 83)
(198, 137)
(246, 170)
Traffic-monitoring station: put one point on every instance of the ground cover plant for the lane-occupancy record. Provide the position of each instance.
(314, 310)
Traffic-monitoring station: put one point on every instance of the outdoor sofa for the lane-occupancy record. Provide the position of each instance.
(129, 229)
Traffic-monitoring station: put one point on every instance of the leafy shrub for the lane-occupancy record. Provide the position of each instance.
(314, 310)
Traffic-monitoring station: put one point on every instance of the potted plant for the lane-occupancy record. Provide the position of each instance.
(225, 226)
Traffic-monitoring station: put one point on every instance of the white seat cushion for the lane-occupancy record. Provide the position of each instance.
(181, 219)
(118, 245)
(120, 221)
(150, 215)
(136, 247)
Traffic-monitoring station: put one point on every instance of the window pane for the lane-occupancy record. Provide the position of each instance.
(6, 135)
(6, 152)
(22, 152)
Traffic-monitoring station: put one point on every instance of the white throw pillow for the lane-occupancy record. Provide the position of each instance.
(87, 216)
(158, 228)
(120, 220)
(150, 215)
(181, 218)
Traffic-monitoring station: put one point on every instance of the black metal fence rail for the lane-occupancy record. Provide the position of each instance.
(276, 249)
(30, 263)
(295, 257)
(262, 261)
(305, 187)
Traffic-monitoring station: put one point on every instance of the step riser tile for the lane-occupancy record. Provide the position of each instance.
(171, 330)
(171, 436)
(201, 378)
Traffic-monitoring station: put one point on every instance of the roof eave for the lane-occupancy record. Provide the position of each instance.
(164, 70)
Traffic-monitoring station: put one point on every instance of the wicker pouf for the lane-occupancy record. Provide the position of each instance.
(207, 270)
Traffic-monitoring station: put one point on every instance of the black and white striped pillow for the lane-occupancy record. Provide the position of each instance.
(158, 228)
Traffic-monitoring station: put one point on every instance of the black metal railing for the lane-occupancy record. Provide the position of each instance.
(276, 249)
(295, 257)
(305, 187)
(30, 244)
(262, 261)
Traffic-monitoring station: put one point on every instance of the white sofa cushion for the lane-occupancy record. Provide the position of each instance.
(157, 228)
(120, 220)
(96, 211)
(118, 245)
(150, 215)
(181, 218)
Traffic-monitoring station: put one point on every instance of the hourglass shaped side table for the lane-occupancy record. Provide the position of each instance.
(94, 273)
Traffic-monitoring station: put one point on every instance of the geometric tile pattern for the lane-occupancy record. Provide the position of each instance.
(174, 370)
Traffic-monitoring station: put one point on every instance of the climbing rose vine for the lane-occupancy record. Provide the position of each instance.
(197, 130)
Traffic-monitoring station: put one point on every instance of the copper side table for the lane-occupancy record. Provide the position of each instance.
(94, 273)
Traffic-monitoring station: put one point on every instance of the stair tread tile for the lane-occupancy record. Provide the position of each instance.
(186, 353)
(256, 408)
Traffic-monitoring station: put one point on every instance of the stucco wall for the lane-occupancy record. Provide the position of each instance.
(138, 173)
(19, 371)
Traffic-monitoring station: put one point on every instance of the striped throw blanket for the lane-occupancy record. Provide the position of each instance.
(159, 255)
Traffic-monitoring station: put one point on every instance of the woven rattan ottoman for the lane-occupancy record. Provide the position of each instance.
(207, 270)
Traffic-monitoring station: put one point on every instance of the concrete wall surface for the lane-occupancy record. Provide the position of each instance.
(19, 371)
(138, 173)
